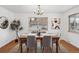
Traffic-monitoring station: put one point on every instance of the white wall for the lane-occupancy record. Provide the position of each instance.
(6, 35)
(25, 20)
(73, 38)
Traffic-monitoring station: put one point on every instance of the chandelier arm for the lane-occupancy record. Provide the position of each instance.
(38, 11)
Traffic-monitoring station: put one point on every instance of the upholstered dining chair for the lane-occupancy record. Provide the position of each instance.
(54, 41)
(46, 43)
(31, 43)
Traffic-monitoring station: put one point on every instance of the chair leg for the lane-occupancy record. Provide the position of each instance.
(59, 47)
(50, 49)
(36, 50)
(19, 48)
(52, 46)
(42, 49)
(27, 50)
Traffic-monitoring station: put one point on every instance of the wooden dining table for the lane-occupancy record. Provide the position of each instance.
(54, 38)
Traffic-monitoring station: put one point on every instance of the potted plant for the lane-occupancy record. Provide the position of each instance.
(16, 26)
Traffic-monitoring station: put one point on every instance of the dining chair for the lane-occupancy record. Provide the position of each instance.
(20, 40)
(46, 43)
(31, 43)
(54, 41)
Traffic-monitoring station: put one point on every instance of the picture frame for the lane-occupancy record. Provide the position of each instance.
(74, 23)
(55, 23)
(38, 24)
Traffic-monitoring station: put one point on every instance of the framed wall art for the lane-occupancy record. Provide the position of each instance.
(74, 23)
(55, 23)
(38, 24)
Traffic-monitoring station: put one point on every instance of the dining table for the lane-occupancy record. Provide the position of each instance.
(54, 38)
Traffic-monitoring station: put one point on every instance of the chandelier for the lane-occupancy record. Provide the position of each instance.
(38, 11)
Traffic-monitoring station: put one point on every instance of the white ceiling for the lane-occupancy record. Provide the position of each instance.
(31, 8)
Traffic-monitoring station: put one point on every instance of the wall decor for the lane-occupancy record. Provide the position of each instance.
(38, 24)
(55, 23)
(3, 22)
(16, 26)
(74, 23)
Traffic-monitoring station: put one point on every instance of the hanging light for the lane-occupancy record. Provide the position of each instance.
(39, 11)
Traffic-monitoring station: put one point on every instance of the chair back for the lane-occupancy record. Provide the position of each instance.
(46, 41)
(31, 41)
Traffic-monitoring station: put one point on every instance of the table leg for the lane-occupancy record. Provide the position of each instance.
(56, 46)
(20, 46)
(41, 43)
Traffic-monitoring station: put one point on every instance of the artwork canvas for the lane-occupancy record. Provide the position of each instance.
(55, 23)
(74, 23)
(38, 24)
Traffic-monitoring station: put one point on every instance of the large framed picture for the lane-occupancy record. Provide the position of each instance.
(74, 23)
(38, 24)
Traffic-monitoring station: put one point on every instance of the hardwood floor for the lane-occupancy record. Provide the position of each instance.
(8, 47)
(71, 48)
(68, 46)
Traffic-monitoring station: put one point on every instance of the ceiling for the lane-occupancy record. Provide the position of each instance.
(31, 8)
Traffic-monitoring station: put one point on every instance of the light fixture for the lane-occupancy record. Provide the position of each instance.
(32, 19)
(39, 11)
